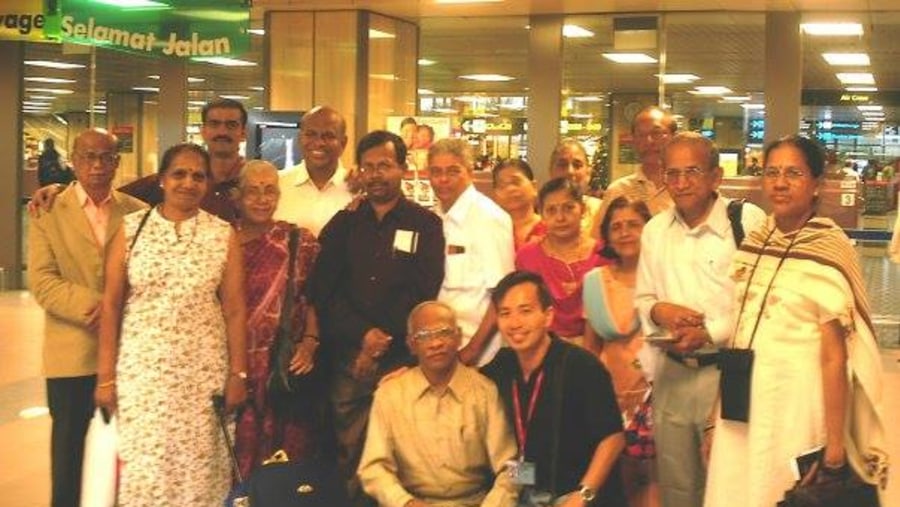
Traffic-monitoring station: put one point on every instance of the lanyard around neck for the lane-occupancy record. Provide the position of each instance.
(523, 423)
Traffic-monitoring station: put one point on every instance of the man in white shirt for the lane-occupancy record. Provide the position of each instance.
(479, 247)
(314, 190)
(437, 433)
(684, 293)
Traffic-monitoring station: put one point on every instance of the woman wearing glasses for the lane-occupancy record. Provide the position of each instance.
(815, 379)
(563, 255)
(172, 335)
(268, 424)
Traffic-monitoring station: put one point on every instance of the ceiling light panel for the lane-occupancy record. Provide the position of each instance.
(224, 61)
(677, 78)
(832, 29)
(710, 90)
(53, 65)
(576, 32)
(629, 57)
(489, 78)
(857, 59)
(864, 78)
(861, 89)
(50, 80)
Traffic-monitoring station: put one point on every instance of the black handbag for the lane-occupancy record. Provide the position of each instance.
(280, 482)
(842, 488)
(285, 391)
(734, 383)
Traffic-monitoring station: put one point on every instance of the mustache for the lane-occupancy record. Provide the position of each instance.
(222, 138)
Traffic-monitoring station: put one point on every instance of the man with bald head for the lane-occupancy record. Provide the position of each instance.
(437, 433)
(313, 191)
(651, 130)
(66, 250)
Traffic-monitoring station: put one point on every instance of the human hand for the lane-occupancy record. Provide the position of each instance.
(105, 396)
(375, 342)
(689, 339)
(415, 502)
(354, 203)
(672, 316)
(469, 354)
(235, 393)
(304, 359)
(573, 499)
(354, 183)
(42, 199)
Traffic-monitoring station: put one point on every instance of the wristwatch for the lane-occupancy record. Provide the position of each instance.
(587, 494)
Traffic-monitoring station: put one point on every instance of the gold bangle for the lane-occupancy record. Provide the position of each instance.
(108, 383)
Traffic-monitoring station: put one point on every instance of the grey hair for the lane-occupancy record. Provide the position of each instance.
(456, 147)
(424, 304)
(253, 167)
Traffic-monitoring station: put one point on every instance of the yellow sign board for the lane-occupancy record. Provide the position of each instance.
(22, 20)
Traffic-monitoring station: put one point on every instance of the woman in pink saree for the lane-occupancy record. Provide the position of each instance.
(261, 429)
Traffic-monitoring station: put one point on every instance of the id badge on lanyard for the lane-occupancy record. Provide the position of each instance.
(524, 473)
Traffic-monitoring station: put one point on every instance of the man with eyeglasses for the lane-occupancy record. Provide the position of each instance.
(66, 252)
(685, 302)
(651, 129)
(437, 434)
(223, 130)
(314, 190)
(378, 261)
(479, 247)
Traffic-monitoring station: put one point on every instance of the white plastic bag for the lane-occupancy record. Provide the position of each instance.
(99, 469)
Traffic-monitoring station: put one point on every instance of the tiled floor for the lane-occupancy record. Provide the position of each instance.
(24, 443)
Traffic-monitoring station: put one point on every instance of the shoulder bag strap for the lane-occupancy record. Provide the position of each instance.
(140, 228)
(735, 210)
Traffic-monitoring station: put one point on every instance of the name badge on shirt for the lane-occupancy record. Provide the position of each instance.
(523, 473)
(455, 249)
(406, 241)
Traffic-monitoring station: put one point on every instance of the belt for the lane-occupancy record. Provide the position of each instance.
(698, 361)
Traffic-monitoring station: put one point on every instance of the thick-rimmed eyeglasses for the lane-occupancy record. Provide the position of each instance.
(91, 157)
(442, 333)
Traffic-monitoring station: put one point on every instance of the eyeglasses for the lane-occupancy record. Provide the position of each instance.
(790, 173)
(105, 158)
(691, 174)
(442, 333)
(229, 124)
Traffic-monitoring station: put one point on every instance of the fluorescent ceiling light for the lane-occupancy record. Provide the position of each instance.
(836, 29)
(487, 77)
(53, 65)
(576, 32)
(846, 58)
(629, 57)
(42, 97)
(384, 77)
(873, 114)
(34, 103)
(197, 102)
(425, 91)
(581, 115)
(256, 31)
(235, 97)
(736, 98)
(189, 79)
(55, 91)
(677, 78)
(710, 90)
(425, 62)
(50, 80)
(861, 89)
(60, 119)
(225, 61)
(257, 88)
(258, 108)
(445, 110)
(753, 106)
(588, 98)
(870, 108)
(152, 89)
(378, 34)
(856, 78)
(134, 4)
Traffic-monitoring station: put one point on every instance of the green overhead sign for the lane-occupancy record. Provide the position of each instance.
(170, 28)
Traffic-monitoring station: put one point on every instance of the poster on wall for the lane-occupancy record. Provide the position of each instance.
(418, 132)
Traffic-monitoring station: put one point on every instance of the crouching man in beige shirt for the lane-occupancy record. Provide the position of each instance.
(437, 432)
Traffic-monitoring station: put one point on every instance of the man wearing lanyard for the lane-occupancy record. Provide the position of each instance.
(560, 401)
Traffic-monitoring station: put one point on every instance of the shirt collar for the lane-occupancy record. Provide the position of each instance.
(339, 176)
(84, 198)
(716, 222)
(460, 208)
(457, 386)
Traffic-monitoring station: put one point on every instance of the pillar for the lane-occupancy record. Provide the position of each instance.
(12, 54)
(172, 106)
(545, 60)
(784, 74)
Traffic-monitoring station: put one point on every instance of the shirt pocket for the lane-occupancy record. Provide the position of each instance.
(462, 271)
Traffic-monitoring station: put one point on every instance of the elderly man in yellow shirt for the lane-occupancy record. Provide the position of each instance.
(437, 431)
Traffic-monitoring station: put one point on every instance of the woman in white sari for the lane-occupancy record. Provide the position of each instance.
(816, 372)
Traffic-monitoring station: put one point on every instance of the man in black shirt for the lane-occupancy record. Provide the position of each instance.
(377, 262)
(560, 401)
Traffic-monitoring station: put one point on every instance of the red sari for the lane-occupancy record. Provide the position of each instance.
(260, 432)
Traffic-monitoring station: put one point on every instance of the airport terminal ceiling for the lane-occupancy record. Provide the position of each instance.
(724, 47)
